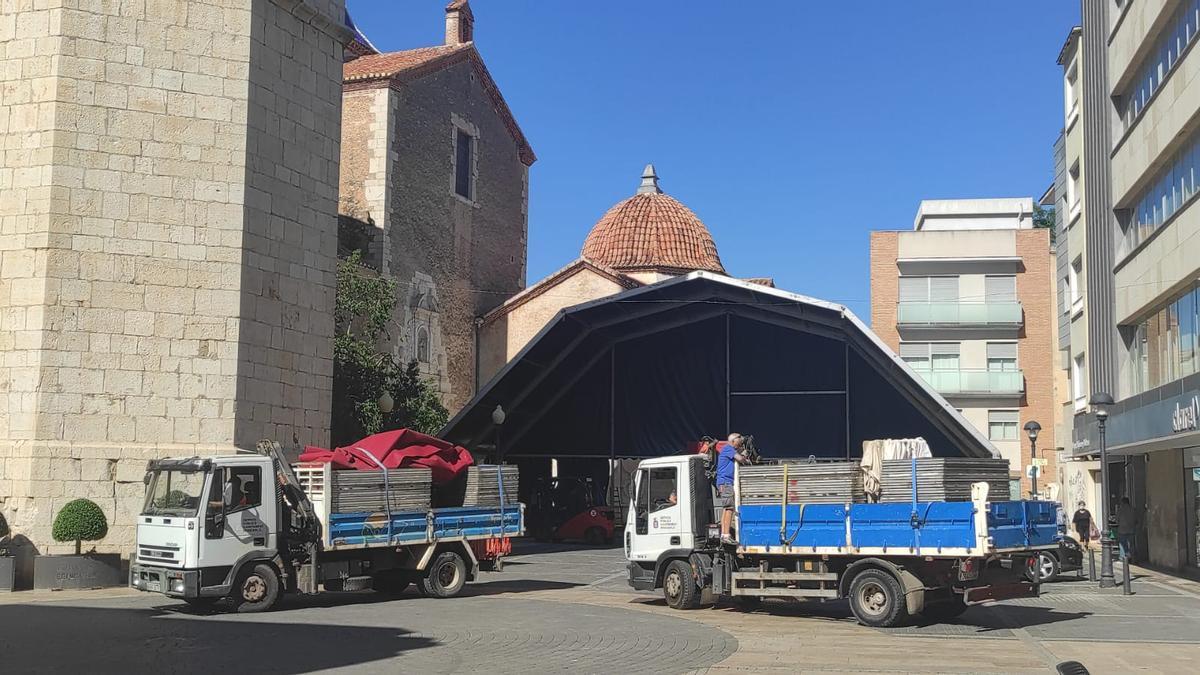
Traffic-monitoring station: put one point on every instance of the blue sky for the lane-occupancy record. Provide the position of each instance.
(792, 129)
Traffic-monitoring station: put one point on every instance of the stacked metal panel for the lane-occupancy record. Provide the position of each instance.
(807, 483)
(943, 478)
(359, 491)
(483, 485)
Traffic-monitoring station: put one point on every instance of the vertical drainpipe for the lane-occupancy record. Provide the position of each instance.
(475, 380)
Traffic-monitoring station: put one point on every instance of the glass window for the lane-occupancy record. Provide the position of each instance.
(914, 289)
(943, 289)
(1077, 382)
(174, 493)
(464, 154)
(1002, 357)
(663, 488)
(1000, 288)
(243, 488)
(1002, 425)
(1186, 310)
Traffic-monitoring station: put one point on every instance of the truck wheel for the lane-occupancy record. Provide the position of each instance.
(747, 603)
(445, 576)
(877, 600)
(679, 586)
(392, 582)
(256, 590)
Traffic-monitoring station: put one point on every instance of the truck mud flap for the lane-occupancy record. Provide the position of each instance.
(974, 596)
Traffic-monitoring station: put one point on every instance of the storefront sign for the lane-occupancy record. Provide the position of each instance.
(1185, 416)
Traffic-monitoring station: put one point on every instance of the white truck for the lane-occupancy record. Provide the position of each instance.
(890, 560)
(245, 529)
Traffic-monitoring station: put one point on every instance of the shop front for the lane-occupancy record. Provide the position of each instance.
(1154, 458)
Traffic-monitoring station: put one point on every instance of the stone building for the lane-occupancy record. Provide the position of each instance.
(967, 300)
(168, 188)
(646, 238)
(434, 187)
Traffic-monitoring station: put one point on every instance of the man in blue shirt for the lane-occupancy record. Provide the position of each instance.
(728, 456)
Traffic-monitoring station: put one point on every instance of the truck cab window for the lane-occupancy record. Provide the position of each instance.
(243, 488)
(663, 488)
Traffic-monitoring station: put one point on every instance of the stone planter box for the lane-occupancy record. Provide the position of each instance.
(98, 570)
(8, 574)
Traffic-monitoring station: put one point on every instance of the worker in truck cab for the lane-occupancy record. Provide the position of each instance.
(729, 455)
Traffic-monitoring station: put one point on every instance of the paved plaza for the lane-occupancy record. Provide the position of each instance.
(564, 608)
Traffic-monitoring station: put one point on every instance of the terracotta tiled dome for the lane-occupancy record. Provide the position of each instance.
(652, 231)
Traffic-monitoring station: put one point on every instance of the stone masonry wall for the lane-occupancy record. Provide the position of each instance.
(166, 254)
(475, 253)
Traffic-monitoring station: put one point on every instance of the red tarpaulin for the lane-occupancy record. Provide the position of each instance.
(399, 449)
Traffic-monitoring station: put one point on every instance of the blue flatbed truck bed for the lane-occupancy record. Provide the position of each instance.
(890, 560)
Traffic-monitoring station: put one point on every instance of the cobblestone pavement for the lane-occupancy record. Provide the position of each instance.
(562, 608)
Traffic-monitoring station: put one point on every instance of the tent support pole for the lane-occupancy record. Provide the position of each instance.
(846, 366)
(612, 405)
(728, 422)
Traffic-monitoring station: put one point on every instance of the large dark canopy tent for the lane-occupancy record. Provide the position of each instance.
(648, 371)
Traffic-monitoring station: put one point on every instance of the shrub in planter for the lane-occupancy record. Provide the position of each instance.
(80, 520)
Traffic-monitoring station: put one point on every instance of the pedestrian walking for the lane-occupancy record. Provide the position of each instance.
(1082, 520)
(1127, 522)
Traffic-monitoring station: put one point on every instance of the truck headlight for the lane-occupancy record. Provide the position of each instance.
(177, 586)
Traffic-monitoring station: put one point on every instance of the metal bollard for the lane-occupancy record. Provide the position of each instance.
(1126, 576)
(1091, 564)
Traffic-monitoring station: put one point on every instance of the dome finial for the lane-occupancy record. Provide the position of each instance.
(649, 184)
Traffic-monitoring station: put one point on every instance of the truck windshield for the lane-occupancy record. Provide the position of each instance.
(174, 493)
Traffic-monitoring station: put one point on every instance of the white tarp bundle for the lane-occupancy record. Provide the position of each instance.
(875, 452)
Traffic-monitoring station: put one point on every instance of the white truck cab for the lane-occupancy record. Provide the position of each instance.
(672, 505)
(201, 520)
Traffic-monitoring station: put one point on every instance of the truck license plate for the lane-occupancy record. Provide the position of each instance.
(154, 585)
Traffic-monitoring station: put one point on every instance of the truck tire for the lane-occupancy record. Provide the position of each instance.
(256, 590)
(679, 586)
(445, 576)
(877, 600)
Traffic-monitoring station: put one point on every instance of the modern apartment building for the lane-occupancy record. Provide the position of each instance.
(966, 299)
(1079, 471)
(1141, 146)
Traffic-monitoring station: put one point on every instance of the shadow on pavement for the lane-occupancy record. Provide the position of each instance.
(530, 547)
(984, 619)
(72, 639)
(513, 586)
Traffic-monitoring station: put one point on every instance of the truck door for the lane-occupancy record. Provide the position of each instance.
(658, 507)
(241, 515)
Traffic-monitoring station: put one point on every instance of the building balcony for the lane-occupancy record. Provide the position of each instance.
(975, 382)
(959, 315)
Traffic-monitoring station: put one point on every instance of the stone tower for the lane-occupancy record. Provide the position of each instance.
(168, 204)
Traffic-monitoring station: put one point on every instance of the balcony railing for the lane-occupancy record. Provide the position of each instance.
(962, 314)
(967, 382)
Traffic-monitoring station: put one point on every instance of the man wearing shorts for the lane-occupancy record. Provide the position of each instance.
(728, 456)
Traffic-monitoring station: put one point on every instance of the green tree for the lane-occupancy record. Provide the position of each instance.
(79, 520)
(1044, 218)
(363, 366)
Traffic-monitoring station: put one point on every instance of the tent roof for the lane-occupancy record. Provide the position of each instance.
(574, 339)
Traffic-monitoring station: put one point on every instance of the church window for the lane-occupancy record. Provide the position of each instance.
(423, 345)
(464, 153)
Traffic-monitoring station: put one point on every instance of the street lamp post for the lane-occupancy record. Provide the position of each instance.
(1100, 401)
(1032, 428)
(498, 416)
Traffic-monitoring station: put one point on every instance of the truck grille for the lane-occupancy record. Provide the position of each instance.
(159, 555)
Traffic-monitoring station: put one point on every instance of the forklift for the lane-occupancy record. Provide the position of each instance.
(565, 508)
